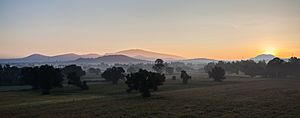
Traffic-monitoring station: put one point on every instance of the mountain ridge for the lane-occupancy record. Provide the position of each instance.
(111, 59)
(132, 55)
(39, 58)
(148, 55)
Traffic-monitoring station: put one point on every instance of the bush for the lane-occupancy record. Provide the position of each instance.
(113, 74)
(217, 73)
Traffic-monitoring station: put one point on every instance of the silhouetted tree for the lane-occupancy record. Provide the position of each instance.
(143, 81)
(74, 74)
(252, 68)
(248, 67)
(113, 74)
(276, 68)
(49, 77)
(1, 73)
(185, 77)
(218, 74)
(30, 76)
(159, 65)
(10, 75)
(294, 67)
(209, 67)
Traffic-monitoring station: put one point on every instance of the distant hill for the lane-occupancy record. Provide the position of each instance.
(38, 58)
(263, 57)
(147, 55)
(122, 59)
(198, 60)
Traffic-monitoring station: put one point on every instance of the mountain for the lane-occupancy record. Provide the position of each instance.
(90, 55)
(121, 59)
(147, 55)
(35, 57)
(263, 57)
(38, 58)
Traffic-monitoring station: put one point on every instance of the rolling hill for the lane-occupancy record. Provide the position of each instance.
(122, 59)
(38, 58)
(198, 60)
(147, 55)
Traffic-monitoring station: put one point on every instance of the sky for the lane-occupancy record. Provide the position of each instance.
(219, 29)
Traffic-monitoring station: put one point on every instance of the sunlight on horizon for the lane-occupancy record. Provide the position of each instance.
(270, 50)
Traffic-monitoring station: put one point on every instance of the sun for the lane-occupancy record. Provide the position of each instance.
(270, 50)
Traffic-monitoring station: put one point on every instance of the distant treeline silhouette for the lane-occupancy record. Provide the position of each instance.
(275, 68)
(43, 77)
(46, 77)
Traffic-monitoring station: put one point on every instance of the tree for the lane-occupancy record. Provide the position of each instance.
(113, 74)
(209, 66)
(44, 77)
(185, 77)
(159, 65)
(294, 67)
(250, 68)
(1, 73)
(143, 81)
(217, 73)
(74, 79)
(74, 74)
(30, 76)
(275, 68)
(169, 70)
(10, 75)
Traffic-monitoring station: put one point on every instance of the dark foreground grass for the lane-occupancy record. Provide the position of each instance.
(240, 99)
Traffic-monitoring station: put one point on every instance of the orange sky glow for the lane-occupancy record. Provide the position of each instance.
(226, 29)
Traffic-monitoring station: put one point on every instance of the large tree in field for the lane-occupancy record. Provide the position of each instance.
(113, 74)
(159, 65)
(74, 74)
(217, 73)
(143, 81)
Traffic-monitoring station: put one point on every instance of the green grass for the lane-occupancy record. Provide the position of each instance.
(234, 97)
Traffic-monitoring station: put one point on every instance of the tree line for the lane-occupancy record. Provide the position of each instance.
(46, 77)
(43, 77)
(275, 68)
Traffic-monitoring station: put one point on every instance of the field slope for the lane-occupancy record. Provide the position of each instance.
(249, 99)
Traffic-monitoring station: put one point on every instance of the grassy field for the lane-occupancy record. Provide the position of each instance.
(236, 97)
